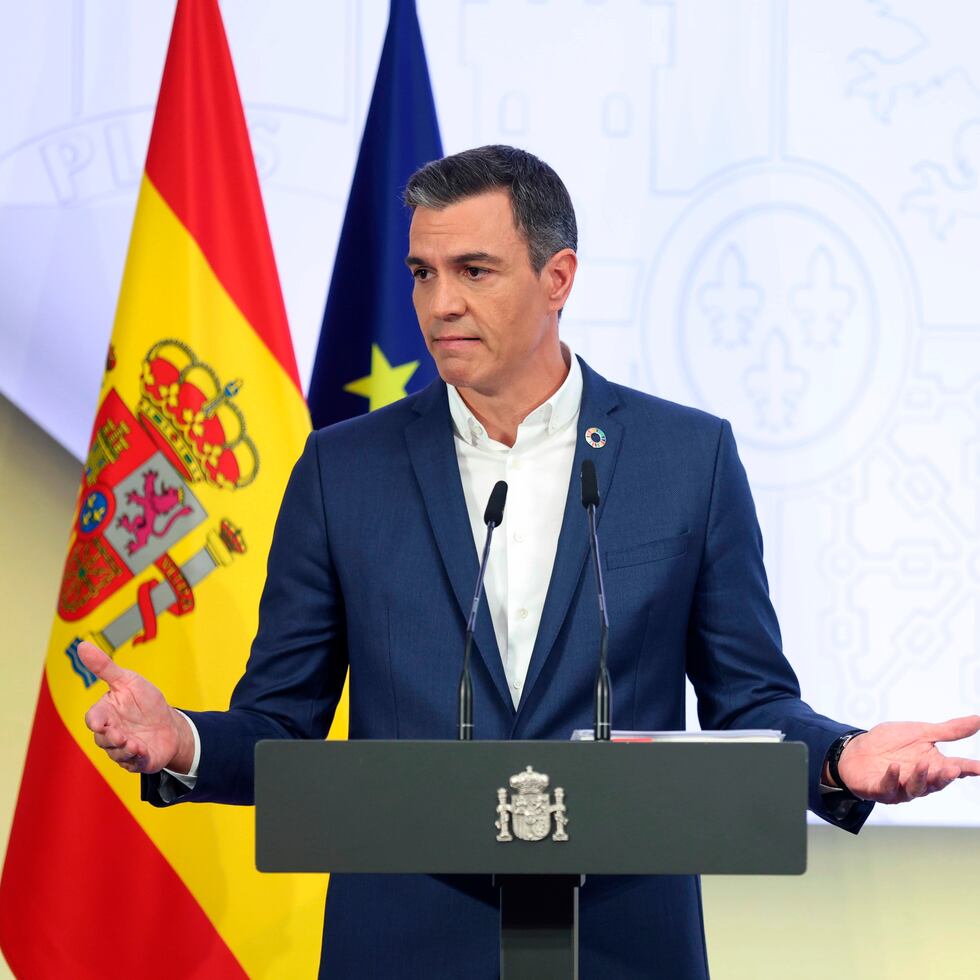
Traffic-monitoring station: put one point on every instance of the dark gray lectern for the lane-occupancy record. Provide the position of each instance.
(487, 808)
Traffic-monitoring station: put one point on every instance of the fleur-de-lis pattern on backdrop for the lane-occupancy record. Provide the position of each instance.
(779, 209)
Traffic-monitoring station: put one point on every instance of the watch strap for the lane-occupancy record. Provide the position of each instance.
(833, 760)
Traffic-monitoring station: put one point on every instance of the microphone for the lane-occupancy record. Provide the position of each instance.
(492, 517)
(602, 727)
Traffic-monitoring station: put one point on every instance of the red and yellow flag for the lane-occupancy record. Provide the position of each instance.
(200, 419)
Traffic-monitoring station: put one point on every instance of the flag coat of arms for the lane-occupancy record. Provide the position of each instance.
(200, 419)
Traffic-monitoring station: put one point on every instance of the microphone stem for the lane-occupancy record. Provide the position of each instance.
(465, 714)
(471, 622)
(465, 733)
(602, 731)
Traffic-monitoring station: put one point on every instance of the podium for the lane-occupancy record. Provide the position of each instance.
(537, 816)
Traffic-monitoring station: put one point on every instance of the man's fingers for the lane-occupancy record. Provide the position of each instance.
(967, 767)
(106, 735)
(939, 778)
(916, 784)
(127, 752)
(949, 775)
(954, 729)
(111, 737)
(889, 785)
(99, 716)
(101, 664)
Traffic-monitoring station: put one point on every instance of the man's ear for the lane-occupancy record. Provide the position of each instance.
(558, 275)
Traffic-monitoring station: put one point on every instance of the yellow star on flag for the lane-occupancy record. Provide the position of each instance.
(385, 384)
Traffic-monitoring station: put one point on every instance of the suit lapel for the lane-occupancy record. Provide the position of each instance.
(433, 456)
(599, 400)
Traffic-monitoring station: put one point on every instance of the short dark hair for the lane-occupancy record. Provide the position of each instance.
(540, 202)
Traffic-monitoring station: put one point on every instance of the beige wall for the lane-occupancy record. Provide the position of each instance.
(890, 904)
(38, 482)
(893, 903)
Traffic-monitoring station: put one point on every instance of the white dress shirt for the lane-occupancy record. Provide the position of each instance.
(537, 469)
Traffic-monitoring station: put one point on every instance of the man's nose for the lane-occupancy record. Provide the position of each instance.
(447, 299)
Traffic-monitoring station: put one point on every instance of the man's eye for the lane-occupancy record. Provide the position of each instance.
(420, 275)
(474, 272)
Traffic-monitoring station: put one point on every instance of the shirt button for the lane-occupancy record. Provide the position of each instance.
(516, 686)
(518, 536)
(515, 464)
(522, 613)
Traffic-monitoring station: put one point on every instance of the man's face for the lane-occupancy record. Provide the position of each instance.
(484, 312)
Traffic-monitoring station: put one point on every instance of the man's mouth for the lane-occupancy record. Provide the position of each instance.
(455, 342)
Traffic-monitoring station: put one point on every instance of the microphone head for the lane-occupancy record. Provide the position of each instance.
(590, 485)
(494, 513)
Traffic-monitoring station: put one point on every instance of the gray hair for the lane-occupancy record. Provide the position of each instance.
(542, 208)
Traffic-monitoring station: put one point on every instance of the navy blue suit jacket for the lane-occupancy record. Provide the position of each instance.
(372, 569)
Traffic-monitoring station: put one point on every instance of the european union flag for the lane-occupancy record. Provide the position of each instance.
(371, 351)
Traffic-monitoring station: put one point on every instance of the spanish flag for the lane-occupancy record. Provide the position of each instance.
(200, 419)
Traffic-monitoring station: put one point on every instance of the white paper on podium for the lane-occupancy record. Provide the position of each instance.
(734, 735)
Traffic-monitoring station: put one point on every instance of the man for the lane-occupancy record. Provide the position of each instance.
(373, 564)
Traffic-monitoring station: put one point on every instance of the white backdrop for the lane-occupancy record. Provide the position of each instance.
(778, 204)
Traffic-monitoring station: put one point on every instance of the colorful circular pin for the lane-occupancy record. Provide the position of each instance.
(596, 438)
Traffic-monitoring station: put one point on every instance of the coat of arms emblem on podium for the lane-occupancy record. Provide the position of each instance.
(530, 809)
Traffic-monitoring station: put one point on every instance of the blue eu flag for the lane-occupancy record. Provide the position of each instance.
(371, 351)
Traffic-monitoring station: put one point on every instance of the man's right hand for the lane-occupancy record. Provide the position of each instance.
(132, 720)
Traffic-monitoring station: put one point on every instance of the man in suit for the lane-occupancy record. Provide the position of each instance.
(375, 556)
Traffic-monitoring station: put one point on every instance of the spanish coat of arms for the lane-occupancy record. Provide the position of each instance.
(530, 810)
(137, 499)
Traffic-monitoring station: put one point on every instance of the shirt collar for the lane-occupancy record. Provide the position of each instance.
(558, 411)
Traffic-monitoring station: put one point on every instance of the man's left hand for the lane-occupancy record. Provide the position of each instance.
(898, 761)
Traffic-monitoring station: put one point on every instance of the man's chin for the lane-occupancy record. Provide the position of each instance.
(456, 372)
(455, 377)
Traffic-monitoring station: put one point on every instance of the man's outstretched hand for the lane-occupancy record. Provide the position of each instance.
(132, 720)
(898, 761)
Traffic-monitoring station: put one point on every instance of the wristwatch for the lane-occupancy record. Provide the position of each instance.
(833, 758)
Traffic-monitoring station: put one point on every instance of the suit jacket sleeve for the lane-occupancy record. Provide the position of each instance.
(735, 658)
(295, 673)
